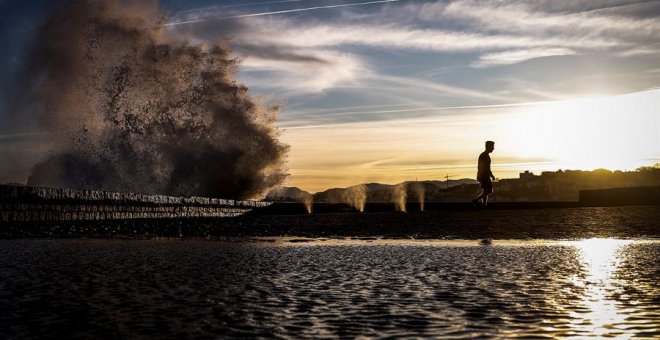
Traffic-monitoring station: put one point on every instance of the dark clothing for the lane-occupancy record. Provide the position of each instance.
(483, 173)
(486, 183)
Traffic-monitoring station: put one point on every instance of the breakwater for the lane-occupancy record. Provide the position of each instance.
(649, 195)
(25, 204)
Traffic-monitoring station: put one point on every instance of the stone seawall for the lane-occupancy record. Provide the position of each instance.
(649, 195)
(24, 204)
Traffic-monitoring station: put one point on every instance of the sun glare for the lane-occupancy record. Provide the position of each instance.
(617, 133)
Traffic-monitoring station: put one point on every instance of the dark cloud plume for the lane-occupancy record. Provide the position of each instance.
(131, 109)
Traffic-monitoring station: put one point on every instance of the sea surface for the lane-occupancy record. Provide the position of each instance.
(316, 288)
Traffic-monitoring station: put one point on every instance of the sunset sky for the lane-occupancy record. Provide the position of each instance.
(387, 91)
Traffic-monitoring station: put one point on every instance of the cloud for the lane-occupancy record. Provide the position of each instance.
(447, 90)
(498, 27)
(294, 34)
(306, 56)
(315, 71)
(517, 56)
(312, 54)
(317, 119)
(520, 17)
(276, 52)
(272, 64)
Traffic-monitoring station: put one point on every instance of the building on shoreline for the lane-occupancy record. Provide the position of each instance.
(565, 185)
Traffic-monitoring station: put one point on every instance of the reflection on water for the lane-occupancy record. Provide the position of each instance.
(610, 309)
(600, 258)
(299, 288)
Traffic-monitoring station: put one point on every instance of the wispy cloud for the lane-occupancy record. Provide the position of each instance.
(304, 56)
(322, 70)
(516, 56)
(301, 54)
(444, 89)
(287, 32)
(314, 119)
(521, 17)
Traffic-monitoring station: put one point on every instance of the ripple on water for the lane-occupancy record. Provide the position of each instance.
(331, 288)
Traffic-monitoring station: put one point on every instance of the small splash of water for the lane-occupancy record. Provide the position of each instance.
(419, 191)
(356, 197)
(308, 201)
(399, 196)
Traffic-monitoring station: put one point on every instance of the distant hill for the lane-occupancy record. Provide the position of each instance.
(287, 194)
(372, 192)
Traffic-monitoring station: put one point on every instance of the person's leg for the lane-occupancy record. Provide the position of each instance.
(478, 198)
(486, 192)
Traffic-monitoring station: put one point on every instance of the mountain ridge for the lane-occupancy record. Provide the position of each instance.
(372, 192)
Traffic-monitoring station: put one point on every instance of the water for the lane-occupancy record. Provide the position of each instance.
(293, 288)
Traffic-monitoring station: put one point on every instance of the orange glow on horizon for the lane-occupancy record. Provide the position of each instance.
(614, 133)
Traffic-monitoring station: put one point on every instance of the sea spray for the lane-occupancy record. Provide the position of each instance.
(292, 194)
(356, 197)
(419, 190)
(399, 196)
(129, 108)
(308, 200)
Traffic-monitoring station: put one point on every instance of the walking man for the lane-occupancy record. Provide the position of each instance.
(484, 175)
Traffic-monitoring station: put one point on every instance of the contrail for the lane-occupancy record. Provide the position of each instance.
(281, 12)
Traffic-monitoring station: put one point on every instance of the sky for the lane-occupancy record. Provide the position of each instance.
(388, 91)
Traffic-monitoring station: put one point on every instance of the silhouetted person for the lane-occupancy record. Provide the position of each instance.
(484, 175)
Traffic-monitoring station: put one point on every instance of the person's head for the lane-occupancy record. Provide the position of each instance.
(490, 146)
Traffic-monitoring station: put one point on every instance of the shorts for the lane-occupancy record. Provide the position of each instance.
(486, 184)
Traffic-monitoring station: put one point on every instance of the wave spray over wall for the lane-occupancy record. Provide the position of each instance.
(129, 108)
